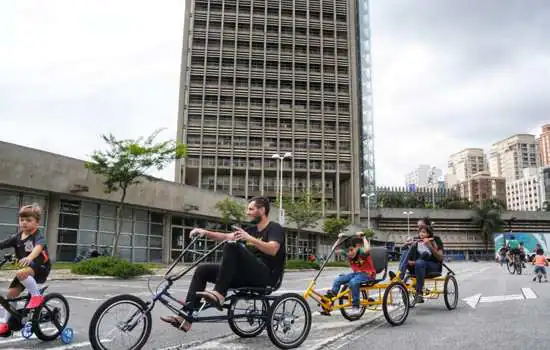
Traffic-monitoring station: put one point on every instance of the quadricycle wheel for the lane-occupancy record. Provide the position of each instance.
(288, 311)
(346, 298)
(134, 316)
(450, 292)
(395, 303)
(247, 316)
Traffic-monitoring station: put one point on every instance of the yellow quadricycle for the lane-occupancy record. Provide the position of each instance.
(391, 297)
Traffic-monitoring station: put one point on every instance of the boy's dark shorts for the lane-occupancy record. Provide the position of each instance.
(41, 273)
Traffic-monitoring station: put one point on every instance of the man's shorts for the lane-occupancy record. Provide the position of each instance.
(41, 273)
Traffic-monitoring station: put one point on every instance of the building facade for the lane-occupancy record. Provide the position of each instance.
(268, 77)
(544, 145)
(482, 186)
(423, 176)
(464, 164)
(157, 219)
(510, 156)
(527, 193)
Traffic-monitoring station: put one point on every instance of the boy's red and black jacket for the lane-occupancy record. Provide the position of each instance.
(24, 247)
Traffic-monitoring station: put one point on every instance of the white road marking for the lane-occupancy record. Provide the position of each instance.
(81, 298)
(528, 293)
(498, 298)
(473, 300)
(76, 345)
(17, 337)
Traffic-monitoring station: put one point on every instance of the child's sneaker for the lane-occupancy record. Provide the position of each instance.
(355, 311)
(35, 302)
(392, 275)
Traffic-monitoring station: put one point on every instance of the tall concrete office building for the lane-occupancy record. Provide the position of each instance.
(265, 77)
(510, 156)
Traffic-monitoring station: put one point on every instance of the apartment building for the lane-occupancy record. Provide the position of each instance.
(483, 186)
(424, 175)
(510, 156)
(268, 77)
(544, 145)
(464, 164)
(526, 193)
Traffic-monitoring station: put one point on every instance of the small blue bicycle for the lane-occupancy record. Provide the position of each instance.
(54, 311)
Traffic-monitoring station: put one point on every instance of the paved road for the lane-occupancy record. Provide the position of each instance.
(429, 325)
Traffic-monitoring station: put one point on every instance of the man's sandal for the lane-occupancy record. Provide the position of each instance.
(212, 298)
(177, 322)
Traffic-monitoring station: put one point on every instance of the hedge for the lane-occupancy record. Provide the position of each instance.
(110, 266)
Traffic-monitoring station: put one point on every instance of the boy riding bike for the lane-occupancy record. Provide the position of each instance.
(540, 263)
(513, 249)
(363, 269)
(30, 249)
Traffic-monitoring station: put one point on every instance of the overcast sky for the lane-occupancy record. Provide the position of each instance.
(447, 74)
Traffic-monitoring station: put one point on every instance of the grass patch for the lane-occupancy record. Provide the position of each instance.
(110, 266)
(301, 265)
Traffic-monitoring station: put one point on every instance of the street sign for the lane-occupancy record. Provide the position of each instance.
(526, 293)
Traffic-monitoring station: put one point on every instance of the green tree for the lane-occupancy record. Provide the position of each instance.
(231, 211)
(335, 226)
(126, 163)
(369, 234)
(487, 218)
(304, 211)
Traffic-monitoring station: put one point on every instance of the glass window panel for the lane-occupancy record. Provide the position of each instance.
(141, 215)
(177, 238)
(107, 211)
(156, 217)
(125, 240)
(177, 220)
(156, 229)
(140, 255)
(155, 242)
(7, 230)
(190, 222)
(32, 198)
(105, 239)
(8, 215)
(127, 213)
(66, 236)
(155, 255)
(141, 227)
(126, 253)
(107, 225)
(89, 209)
(127, 226)
(86, 237)
(70, 207)
(9, 199)
(69, 221)
(140, 241)
(88, 223)
(66, 252)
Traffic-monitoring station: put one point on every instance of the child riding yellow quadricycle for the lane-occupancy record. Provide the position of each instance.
(362, 289)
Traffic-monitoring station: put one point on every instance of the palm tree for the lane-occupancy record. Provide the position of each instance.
(487, 217)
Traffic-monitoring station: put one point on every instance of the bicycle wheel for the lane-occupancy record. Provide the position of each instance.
(450, 292)
(344, 299)
(519, 266)
(253, 315)
(397, 295)
(282, 320)
(54, 310)
(511, 267)
(132, 320)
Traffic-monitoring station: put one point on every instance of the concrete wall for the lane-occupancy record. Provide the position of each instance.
(456, 214)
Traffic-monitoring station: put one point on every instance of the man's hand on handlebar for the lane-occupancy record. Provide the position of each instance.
(197, 232)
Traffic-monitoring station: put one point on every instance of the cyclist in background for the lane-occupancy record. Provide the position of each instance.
(513, 249)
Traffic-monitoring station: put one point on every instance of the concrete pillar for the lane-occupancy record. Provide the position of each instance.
(167, 239)
(54, 205)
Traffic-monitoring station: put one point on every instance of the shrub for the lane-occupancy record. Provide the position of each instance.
(301, 264)
(337, 264)
(110, 266)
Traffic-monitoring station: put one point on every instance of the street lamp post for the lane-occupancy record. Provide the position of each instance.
(368, 197)
(408, 213)
(280, 158)
(431, 179)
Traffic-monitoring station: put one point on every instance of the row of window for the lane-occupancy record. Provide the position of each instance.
(258, 47)
(269, 183)
(273, 11)
(269, 84)
(269, 163)
(243, 102)
(227, 141)
(257, 123)
(297, 31)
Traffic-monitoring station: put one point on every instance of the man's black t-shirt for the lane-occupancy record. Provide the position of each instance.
(272, 232)
(24, 247)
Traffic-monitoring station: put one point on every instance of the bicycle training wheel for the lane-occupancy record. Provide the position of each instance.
(50, 319)
(134, 316)
(450, 292)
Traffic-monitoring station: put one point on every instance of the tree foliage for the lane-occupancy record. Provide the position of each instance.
(231, 211)
(335, 226)
(488, 218)
(125, 163)
(304, 210)
(368, 233)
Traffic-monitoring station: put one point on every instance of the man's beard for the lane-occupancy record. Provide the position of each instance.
(256, 220)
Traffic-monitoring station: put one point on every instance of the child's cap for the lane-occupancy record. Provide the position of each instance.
(30, 211)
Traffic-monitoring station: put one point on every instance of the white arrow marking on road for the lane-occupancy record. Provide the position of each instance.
(528, 293)
(497, 298)
(473, 300)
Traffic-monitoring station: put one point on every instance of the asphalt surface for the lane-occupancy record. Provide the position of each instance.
(519, 323)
